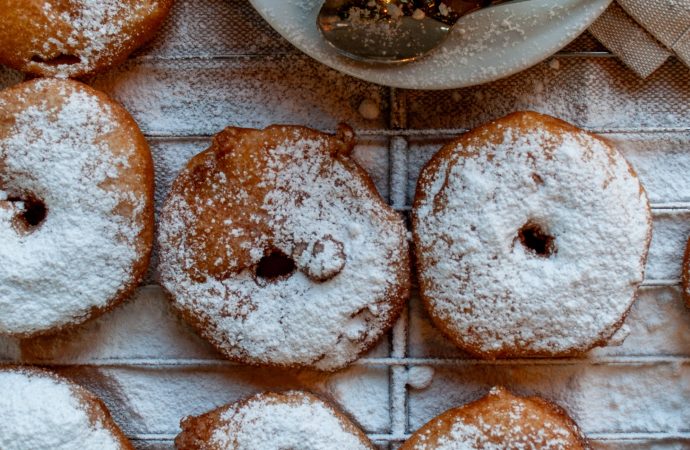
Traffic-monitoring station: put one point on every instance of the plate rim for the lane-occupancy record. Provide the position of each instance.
(349, 67)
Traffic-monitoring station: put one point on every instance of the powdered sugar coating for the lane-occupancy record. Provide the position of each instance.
(41, 411)
(280, 421)
(500, 421)
(464, 436)
(302, 195)
(75, 38)
(61, 143)
(482, 285)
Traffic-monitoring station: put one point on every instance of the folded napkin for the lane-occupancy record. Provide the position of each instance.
(645, 33)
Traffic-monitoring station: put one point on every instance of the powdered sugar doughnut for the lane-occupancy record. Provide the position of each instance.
(276, 246)
(41, 410)
(291, 420)
(531, 237)
(76, 205)
(74, 38)
(498, 421)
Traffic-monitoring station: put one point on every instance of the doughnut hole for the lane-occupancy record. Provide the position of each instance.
(536, 239)
(32, 213)
(275, 265)
(61, 59)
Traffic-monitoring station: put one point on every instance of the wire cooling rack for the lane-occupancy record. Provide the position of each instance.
(216, 63)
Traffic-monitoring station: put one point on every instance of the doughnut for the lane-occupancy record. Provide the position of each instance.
(531, 238)
(76, 206)
(75, 38)
(500, 420)
(41, 410)
(685, 276)
(273, 421)
(277, 248)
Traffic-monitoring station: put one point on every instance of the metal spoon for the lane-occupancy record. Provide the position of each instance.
(392, 31)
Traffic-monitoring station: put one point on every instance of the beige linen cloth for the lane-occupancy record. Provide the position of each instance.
(645, 33)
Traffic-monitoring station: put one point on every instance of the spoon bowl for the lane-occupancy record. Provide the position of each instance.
(392, 31)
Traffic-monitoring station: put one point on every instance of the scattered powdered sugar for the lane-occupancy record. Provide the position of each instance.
(56, 150)
(512, 423)
(255, 101)
(299, 421)
(310, 204)
(41, 411)
(531, 243)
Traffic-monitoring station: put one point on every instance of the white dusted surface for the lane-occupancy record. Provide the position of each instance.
(217, 64)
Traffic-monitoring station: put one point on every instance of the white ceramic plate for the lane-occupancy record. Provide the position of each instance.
(482, 47)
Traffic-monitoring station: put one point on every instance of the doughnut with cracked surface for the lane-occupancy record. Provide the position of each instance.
(74, 38)
(277, 248)
(500, 421)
